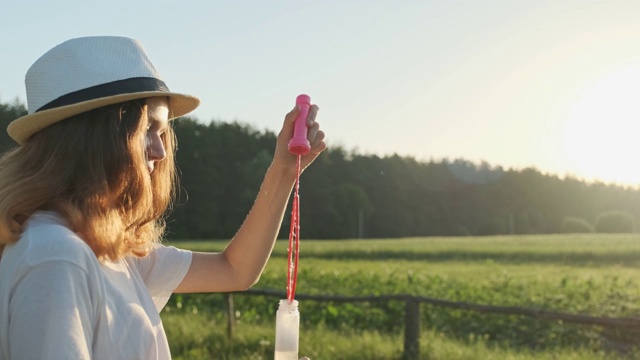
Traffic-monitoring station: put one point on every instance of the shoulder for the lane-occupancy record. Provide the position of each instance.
(162, 270)
(45, 238)
(160, 256)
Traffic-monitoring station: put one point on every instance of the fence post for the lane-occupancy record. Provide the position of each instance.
(411, 329)
(231, 316)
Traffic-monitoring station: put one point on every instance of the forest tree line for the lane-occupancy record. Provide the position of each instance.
(348, 195)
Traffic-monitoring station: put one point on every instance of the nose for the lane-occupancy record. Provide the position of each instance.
(155, 147)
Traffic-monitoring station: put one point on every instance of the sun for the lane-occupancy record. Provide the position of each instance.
(601, 135)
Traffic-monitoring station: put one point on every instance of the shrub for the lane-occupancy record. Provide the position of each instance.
(495, 226)
(615, 222)
(575, 225)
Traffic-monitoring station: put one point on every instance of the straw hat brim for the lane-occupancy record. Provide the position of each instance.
(24, 127)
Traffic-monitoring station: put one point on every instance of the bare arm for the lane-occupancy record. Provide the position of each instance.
(239, 266)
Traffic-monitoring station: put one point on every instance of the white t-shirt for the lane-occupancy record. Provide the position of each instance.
(57, 301)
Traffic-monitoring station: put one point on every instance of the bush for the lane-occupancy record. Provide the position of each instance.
(576, 225)
(615, 222)
(495, 226)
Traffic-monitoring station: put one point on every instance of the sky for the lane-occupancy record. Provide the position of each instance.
(553, 85)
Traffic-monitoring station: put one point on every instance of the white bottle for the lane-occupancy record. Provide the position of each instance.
(287, 330)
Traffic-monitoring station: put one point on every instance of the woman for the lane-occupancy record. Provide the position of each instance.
(82, 201)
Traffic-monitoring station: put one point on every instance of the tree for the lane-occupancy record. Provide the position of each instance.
(8, 113)
(222, 164)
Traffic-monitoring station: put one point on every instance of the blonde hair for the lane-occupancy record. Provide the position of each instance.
(91, 169)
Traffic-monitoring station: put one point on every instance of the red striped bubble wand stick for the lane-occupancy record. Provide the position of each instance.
(288, 316)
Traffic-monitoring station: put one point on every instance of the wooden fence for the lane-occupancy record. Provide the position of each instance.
(412, 313)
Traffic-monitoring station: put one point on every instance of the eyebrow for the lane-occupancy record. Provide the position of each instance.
(152, 119)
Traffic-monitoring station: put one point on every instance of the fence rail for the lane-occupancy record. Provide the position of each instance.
(412, 312)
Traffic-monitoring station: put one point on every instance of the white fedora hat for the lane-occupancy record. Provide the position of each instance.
(87, 73)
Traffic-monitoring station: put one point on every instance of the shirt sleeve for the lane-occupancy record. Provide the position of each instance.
(162, 270)
(53, 313)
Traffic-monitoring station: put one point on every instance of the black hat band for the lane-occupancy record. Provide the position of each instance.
(120, 87)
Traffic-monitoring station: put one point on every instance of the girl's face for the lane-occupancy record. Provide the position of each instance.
(158, 115)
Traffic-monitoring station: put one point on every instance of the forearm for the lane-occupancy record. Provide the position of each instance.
(249, 250)
(239, 266)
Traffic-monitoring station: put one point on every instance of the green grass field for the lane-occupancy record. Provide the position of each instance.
(596, 275)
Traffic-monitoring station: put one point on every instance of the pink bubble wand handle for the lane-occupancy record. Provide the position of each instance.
(299, 145)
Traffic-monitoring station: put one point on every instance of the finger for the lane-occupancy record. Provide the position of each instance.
(318, 145)
(312, 132)
(290, 118)
(313, 112)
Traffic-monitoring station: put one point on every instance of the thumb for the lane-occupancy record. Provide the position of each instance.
(289, 120)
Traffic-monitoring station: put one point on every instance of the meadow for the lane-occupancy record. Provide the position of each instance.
(597, 275)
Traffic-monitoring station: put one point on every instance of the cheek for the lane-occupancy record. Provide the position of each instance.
(146, 142)
(144, 145)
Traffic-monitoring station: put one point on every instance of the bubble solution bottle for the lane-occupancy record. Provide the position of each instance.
(287, 330)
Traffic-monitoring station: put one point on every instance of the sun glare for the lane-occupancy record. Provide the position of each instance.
(602, 127)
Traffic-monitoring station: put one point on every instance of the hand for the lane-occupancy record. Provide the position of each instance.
(283, 157)
(305, 358)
